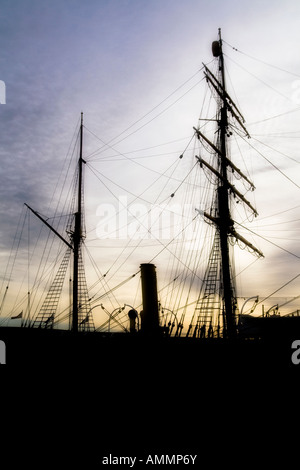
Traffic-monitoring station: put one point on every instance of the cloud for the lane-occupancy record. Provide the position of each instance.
(117, 60)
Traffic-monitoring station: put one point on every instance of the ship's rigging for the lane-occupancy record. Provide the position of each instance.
(215, 306)
(81, 317)
(219, 262)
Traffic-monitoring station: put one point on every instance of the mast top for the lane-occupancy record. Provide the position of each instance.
(217, 46)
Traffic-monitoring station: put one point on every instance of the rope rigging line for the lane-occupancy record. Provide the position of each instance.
(136, 197)
(7, 277)
(40, 278)
(271, 163)
(116, 287)
(186, 256)
(59, 318)
(139, 164)
(276, 150)
(279, 223)
(114, 318)
(177, 235)
(148, 230)
(164, 247)
(260, 80)
(279, 213)
(29, 261)
(101, 279)
(280, 134)
(139, 197)
(277, 290)
(259, 60)
(267, 240)
(275, 116)
(44, 256)
(104, 158)
(112, 158)
(183, 181)
(288, 302)
(129, 239)
(8, 272)
(43, 262)
(67, 163)
(95, 172)
(43, 267)
(145, 115)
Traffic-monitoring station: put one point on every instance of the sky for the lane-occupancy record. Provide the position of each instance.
(133, 68)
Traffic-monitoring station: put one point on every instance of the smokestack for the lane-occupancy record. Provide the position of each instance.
(149, 315)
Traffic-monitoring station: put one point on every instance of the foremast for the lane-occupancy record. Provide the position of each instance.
(77, 236)
(222, 219)
(81, 317)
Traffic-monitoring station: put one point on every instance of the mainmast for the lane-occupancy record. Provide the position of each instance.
(225, 221)
(225, 190)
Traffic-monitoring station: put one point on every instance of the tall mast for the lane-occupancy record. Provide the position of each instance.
(218, 280)
(225, 221)
(80, 316)
(77, 235)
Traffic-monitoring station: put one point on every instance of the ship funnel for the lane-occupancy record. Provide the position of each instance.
(149, 315)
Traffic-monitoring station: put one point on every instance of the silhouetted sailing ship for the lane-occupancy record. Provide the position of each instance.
(215, 322)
